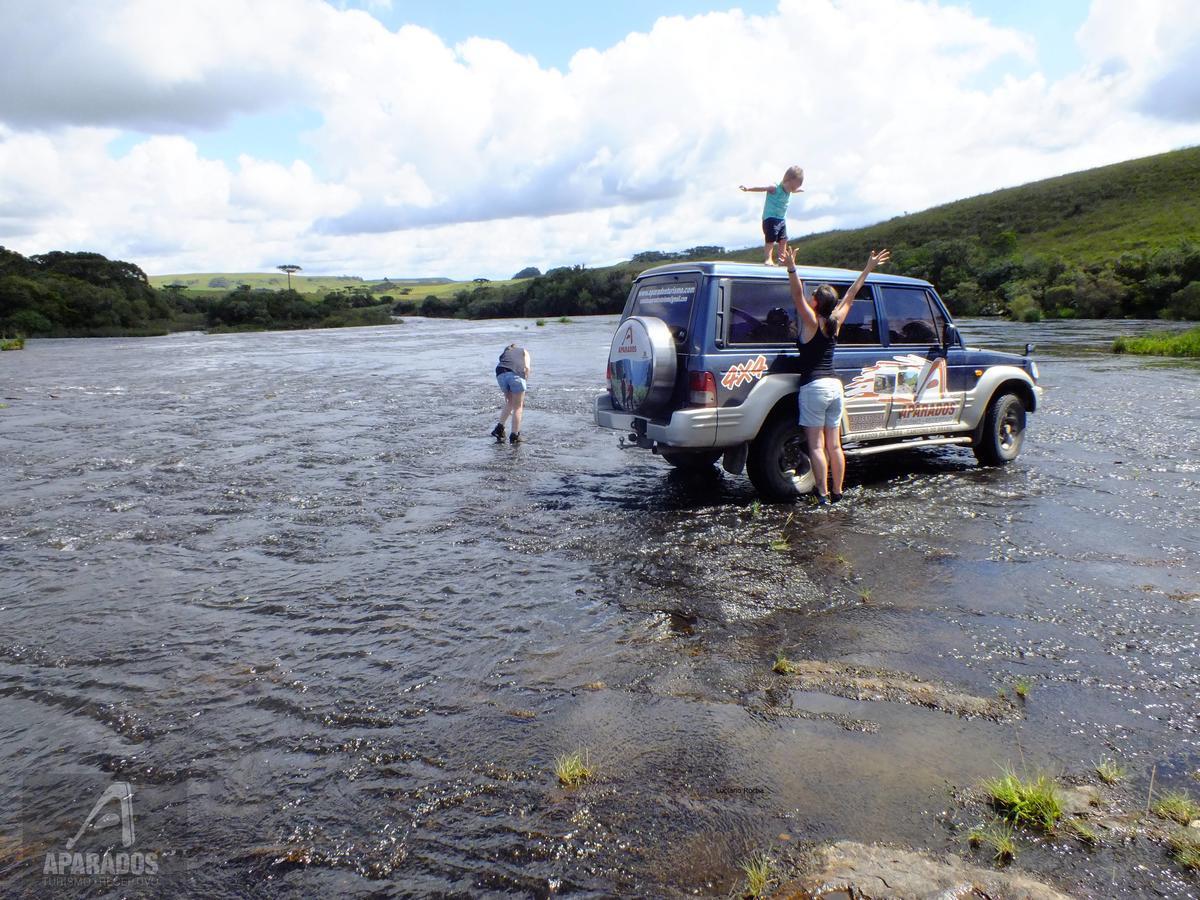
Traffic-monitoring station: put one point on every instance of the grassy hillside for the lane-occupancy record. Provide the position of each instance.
(1121, 240)
(1086, 217)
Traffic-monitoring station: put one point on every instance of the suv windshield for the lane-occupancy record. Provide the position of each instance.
(667, 297)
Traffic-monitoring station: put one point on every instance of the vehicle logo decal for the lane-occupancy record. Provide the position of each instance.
(904, 379)
(743, 373)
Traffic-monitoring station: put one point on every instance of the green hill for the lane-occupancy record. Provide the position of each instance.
(1119, 240)
(1086, 217)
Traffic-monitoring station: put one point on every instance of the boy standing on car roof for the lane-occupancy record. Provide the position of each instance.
(774, 221)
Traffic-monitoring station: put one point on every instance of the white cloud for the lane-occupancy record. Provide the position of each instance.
(474, 159)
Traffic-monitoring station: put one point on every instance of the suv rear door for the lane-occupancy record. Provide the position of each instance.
(672, 298)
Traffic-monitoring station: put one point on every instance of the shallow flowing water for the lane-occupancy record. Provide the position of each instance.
(290, 577)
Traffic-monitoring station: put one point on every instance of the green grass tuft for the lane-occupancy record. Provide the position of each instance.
(1082, 830)
(783, 665)
(573, 768)
(17, 343)
(998, 837)
(1022, 687)
(1110, 771)
(1185, 848)
(1177, 806)
(1186, 343)
(540, 323)
(760, 871)
(1034, 802)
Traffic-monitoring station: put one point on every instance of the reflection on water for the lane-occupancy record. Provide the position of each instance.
(292, 572)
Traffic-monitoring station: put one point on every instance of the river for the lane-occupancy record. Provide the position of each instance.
(288, 579)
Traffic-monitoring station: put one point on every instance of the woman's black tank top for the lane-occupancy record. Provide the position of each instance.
(816, 357)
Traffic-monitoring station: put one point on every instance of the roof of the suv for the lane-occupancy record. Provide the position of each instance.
(808, 273)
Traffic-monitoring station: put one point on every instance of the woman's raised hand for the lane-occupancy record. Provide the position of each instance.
(878, 259)
(789, 257)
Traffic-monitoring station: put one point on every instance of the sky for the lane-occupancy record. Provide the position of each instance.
(464, 138)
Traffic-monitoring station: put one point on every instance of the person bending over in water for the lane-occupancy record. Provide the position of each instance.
(821, 399)
(512, 372)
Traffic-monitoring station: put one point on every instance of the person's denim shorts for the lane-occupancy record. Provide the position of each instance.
(821, 403)
(774, 230)
(511, 383)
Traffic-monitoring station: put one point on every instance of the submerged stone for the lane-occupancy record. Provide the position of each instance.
(851, 870)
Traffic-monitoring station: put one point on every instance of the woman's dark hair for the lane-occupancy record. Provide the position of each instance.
(827, 301)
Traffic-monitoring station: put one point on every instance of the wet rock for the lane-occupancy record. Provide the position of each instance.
(859, 683)
(851, 870)
(1080, 801)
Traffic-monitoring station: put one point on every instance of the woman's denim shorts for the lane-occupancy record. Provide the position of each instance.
(821, 403)
(511, 383)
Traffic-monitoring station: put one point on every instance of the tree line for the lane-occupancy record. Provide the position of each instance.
(979, 277)
(76, 294)
(63, 294)
(565, 291)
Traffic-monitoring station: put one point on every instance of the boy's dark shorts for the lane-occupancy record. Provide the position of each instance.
(775, 230)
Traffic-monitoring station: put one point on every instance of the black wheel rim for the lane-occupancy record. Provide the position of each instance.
(1009, 428)
(794, 457)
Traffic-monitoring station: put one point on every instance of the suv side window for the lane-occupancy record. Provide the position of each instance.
(761, 312)
(939, 318)
(909, 318)
(861, 325)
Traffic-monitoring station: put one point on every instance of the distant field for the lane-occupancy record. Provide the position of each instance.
(305, 284)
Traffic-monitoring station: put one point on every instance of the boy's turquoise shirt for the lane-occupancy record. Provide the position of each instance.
(776, 204)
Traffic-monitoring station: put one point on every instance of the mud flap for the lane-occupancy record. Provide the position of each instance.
(734, 461)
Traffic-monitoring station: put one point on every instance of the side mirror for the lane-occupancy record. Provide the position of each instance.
(952, 337)
(1029, 349)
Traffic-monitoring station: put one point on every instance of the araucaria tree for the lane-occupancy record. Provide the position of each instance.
(289, 269)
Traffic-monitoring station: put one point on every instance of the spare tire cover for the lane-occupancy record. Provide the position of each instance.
(642, 365)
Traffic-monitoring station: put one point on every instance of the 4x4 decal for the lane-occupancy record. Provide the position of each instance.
(744, 373)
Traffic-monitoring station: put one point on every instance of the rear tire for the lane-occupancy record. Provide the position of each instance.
(999, 442)
(778, 463)
(692, 462)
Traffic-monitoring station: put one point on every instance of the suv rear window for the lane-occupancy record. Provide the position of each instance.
(909, 318)
(667, 297)
(762, 312)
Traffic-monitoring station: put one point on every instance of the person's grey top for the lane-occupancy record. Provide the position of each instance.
(513, 358)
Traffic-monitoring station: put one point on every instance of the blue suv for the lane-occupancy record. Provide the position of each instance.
(703, 367)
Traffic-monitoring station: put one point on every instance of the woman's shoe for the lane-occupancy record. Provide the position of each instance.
(498, 432)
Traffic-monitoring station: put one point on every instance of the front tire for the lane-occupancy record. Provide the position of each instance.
(778, 463)
(999, 442)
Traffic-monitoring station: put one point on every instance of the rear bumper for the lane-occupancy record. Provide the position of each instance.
(686, 429)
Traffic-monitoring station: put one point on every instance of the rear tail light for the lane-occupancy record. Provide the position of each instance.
(702, 389)
(608, 373)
